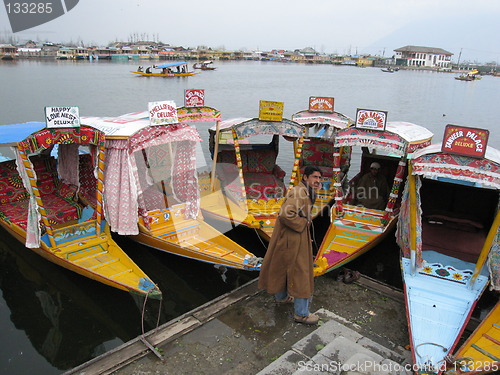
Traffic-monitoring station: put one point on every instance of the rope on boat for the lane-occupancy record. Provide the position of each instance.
(429, 343)
(143, 337)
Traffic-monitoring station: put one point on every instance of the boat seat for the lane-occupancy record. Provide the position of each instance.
(58, 198)
(88, 182)
(263, 178)
(58, 210)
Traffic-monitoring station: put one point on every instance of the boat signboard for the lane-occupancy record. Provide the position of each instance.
(465, 141)
(194, 98)
(62, 117)
(162, 113)
(271, 111)
(321, 104)
(371, 119)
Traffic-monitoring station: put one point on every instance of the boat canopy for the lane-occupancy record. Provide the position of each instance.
(168, 65)
(129, 172)
(33, 137)
(431, 162)
(198, 114)
(325, 124)
(249, 127)
(398, 137)
(11, 134)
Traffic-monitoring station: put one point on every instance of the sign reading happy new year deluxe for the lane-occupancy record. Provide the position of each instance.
(162, 113)
(466, 141)
(62, 117)
(370, 119)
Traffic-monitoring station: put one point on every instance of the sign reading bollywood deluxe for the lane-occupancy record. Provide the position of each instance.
(194, 98)
(162, 113)
(271, 111)
(320, 104)
(466, 141)
(62, 117)
(371, 119)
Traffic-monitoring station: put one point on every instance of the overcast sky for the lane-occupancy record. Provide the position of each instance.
(363, 26)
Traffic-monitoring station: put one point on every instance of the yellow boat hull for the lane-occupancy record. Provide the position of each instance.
(96, 257)
(187, 74)
(481, 351)
(168, 230)
(350, 236)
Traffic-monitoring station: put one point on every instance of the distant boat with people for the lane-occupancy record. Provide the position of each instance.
(175, 69)
(205, 65)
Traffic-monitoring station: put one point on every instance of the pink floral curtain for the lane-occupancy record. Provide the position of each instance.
(67, 164)
(120, 189)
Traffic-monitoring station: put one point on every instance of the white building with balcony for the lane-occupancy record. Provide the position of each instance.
(428, 57)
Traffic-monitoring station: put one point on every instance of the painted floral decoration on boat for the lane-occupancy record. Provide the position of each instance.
(443, 272)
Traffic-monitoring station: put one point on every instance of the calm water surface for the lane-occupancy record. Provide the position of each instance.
(52, 319)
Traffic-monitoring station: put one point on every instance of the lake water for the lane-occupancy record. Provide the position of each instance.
(39, 301)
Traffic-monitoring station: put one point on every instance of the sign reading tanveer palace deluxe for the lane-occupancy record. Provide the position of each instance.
(465, 141)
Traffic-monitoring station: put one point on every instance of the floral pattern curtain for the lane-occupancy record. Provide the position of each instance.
(404, 229)
(120, 189)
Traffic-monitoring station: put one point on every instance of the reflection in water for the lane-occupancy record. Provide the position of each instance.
(59, 319)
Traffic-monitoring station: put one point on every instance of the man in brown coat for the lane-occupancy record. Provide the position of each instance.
(287, 269)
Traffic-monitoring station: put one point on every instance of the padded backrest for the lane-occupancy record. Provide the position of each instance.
(318, 153)
(253, 161)
(11, 184)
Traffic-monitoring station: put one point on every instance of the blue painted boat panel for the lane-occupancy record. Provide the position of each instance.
(438, 309)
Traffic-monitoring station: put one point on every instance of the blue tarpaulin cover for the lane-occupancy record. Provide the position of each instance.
(171, 64)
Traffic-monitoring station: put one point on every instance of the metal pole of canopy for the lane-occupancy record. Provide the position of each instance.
(100, 187)
(240, 167)
(486, 249)
(337, 183)
(298, 154)
(214, 158)
(393, 196)
(34, 188)
(413, 219)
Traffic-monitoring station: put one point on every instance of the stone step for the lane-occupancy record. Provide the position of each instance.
(335, 348)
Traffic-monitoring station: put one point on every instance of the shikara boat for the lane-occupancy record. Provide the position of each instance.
(480, 353)
(448, 229)
(174, 69)
(248, 172)
(152, 191)
(41, 206)
(213, 201)
(469, 76)
(355, 229)
(205, 65)
(318, 150)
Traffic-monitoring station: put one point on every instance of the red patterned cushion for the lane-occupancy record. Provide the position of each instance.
(88, 182)
(263, 186)
(259, 161)
(15, 212)
(12, 189)
(46, 173)
(317, 153)
(228, 157)
(67, 191)
(60, 210)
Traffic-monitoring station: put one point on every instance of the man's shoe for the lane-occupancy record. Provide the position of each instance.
(310, 319)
